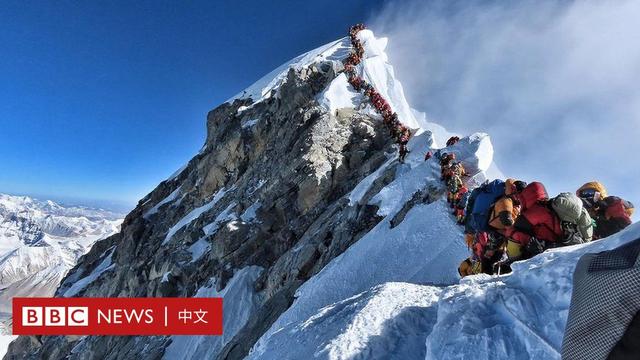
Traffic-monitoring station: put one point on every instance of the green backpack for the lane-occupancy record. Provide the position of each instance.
(569, 209)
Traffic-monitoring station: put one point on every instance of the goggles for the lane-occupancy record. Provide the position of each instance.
(588, 193)
(589, 197)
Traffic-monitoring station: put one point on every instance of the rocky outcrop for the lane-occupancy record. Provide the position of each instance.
(269, 188)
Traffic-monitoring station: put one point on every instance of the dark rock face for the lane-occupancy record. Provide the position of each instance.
(268, 189)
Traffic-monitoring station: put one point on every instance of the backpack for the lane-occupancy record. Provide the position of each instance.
(531, 194)
(569, 209)
(503, 213)
(479, 205)
(616, 207)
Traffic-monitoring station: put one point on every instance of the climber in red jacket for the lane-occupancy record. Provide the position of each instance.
(537, 226)
(613, 214)
(453, 140)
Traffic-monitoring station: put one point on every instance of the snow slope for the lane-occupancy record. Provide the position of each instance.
(262, 89)
(392, 318)
(521, 315)
(241, 302)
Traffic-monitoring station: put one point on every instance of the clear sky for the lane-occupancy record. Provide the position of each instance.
(103, 100)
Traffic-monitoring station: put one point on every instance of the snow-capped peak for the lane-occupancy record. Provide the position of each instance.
(377, 71)
(262, 89)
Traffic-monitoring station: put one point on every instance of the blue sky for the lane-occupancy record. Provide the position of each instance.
(103, 100)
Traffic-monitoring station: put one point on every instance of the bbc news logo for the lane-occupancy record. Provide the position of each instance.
(117, 316)
(55, 316)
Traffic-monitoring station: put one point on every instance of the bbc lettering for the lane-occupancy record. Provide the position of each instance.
(55, 316)
(117, 316)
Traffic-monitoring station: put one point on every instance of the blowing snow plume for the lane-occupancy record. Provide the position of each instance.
(554, 84)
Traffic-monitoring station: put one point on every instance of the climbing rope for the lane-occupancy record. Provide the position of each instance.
(397, 130)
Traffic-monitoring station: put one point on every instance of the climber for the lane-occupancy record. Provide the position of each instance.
(613, 215)
(403, 151)
(479, 205)
(546, 223)
(455, 182)
(610, 213)
(460, 203)
(488, 240)
(446, 162)
(452, 140)
(591, 193)
(576, 222)
(476, 218)
(404, 140)
(506, 209)
(536, 226)
(428, 155)
(487, 250)
(355, 81)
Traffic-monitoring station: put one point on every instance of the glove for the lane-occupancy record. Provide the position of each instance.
(535, 246)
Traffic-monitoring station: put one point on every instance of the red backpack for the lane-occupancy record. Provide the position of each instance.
(531, 194)
(546, 224)
(618, 208)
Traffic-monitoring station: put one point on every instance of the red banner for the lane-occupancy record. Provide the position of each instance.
(117, 316)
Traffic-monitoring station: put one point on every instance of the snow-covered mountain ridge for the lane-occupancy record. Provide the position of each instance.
(37, 234)
(40, 241)
(297, 212)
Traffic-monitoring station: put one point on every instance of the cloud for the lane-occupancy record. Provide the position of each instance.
(556, 84)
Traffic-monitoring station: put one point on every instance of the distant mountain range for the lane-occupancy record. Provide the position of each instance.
(40, 241)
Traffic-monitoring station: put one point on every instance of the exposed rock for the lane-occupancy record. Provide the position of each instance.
(293, 166)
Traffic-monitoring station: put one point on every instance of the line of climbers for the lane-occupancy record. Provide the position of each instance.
(507, 221)
(397, 130)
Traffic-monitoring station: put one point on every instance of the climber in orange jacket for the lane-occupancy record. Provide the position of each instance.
(506, 210)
